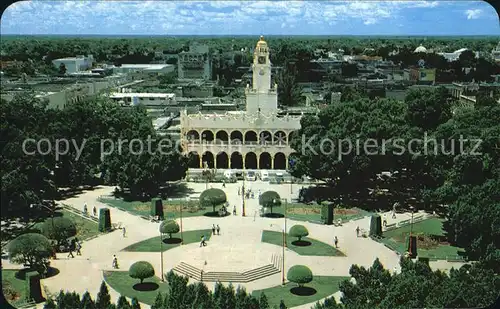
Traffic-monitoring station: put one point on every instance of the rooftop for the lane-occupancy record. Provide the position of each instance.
(141, 95)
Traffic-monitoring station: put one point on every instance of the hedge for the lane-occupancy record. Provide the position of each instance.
(104, 220)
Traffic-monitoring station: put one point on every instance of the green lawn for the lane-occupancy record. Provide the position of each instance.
(124, 285)
(324, 286)
(85, 228)
(397, 239)
(153, 244)
(171, 209)
(312, 212)
(13, 288)
(317, 248)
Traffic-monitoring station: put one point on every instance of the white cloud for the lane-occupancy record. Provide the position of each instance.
(473, 14)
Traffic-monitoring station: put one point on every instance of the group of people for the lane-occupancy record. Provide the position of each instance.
(74, 245)
(86, 212)
(247, 193)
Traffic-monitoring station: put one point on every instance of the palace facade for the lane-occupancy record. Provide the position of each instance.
(256, 138)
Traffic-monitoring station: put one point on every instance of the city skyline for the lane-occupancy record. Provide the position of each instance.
(395, 18)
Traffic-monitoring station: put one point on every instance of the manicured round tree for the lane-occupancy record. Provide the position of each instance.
(299, 274)
(141, 270)
(32, 249)
(270, 199)
(212, 197)
(169, 227)
(59, 229)
(298, 231)
(376, 225)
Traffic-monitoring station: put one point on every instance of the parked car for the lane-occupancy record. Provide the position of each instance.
(264, 175)
(250, 176)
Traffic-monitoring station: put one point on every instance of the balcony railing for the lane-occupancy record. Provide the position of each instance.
(236, 143)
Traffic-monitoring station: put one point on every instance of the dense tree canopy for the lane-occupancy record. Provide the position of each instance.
(87, 135)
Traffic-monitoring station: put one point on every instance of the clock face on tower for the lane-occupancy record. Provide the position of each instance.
(261, 60)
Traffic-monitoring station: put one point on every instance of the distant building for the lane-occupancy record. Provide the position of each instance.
(495, 54)
(420, 49)
(420, 75)
(75, 64)
(147, 99)
(455, 55)
(195, 63)
(151, 69)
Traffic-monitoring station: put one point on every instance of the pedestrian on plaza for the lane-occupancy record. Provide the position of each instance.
(384, 223)
(234, 210)
(218, 230)
(124, 232)
(357, 231)
(238, 191)
(336, 242)
(71, 249)
(85, 210)
(115, 262)
(213, 229)
(94, 211)
(223, 183)
(203, 243)
(78, 248)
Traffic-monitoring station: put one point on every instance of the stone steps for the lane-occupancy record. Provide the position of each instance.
(247, 276)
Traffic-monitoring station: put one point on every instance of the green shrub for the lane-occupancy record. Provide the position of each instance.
(169, 227)
(299, 274)
(298, 231)
(212, 197)
(59, 229)
(270, 199)
(32, 249)
(141, 270)
(157, 207)
(104, 220)
(376, 225)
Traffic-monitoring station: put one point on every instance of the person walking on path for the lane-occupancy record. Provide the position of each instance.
(223, 183)
(115, 262)
(85, 210)
(94, 211)
(213, 229)
(336, 242)
(218, 230)
(384, 223)
(78, 248)
(203, 243)
(71, 249)
(124, 232)
(357, 231)
(234, 211)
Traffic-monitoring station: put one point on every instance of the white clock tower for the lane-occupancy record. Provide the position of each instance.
(262, 97)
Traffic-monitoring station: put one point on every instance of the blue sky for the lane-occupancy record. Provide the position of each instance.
(459, 17)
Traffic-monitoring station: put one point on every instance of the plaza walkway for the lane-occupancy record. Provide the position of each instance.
(239, 246)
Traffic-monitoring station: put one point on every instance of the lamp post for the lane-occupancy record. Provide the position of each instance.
(161, 256)
(243, 191)
(410, 244)
(285, 221)
(283, 254)
(182, 238)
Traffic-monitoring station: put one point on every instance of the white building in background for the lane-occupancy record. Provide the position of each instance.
(456, 54)
(147, 99)
(254, 139)
(75, 64)
(144, 68)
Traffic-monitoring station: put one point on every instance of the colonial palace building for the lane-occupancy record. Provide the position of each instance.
(257, 137)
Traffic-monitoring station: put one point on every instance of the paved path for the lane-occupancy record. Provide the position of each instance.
(238, 248)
